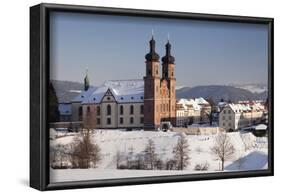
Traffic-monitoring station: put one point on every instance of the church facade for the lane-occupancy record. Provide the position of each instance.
(142, 103)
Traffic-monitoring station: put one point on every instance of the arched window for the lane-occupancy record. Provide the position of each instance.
(121, 110)
(131, 109)
(108, 110)
(98, 110)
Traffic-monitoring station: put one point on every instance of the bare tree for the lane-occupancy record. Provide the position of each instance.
(85, 152)
(181, 153)
(223, 149)
(150, 154)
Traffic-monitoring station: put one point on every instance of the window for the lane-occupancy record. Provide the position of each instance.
(88, 109)
(141, 109)
(98, 121)
(223, 117)
(141, 120)
(149, 72)
(132, 120)
(108, 110)
(80, 112)
(228, 111)
(108, 121)
(224, 111)
(223, 124)
(98, 110)
(108, 98)
(229, 124)
(156, 71)
(131, 109)
(121, 110)
(121, 120)
(229, 117)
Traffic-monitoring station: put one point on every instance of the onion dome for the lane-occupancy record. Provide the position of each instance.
(152, 55)
(168, 58)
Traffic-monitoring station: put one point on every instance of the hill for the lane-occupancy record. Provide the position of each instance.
(217, 92)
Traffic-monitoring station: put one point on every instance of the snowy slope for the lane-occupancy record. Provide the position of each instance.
(112, 141)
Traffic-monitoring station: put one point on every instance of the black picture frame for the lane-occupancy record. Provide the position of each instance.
(39, 79)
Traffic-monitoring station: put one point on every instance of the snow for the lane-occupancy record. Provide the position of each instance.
(83, 95)
(122, 90)
(113, 141)
(253, 161)
(189, 102)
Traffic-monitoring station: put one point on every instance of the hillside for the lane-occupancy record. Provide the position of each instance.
(217, 92)
(67, 90)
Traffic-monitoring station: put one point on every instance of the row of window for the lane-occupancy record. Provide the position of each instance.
(121, 120)
(121, 110)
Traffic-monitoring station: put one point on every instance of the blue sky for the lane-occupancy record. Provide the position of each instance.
(113, 47)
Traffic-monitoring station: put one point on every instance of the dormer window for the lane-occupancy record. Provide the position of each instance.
(132, 97)
(94, 99)
(141, 97)
(122, 98)
(108, 98)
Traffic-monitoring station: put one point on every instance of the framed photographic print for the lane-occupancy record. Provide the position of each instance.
(125, 96)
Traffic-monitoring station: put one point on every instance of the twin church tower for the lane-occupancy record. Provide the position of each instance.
(159, 90)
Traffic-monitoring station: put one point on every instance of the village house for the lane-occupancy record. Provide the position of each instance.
(240, 115)
(191, 111)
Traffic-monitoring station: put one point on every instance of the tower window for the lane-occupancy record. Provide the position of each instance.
(149, 72)
(98, 110)
(108, 110)
(98, 121)
(88, 109)
(132, 120)
(131, 109)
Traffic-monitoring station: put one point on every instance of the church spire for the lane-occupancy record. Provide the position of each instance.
(86, 81)
(168, 58)
(152, 55)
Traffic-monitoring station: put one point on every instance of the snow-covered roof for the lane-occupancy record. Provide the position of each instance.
(65, 108)
(122, 90)
(261, 127)
(83, 95)
(201, 101)
(240, 107)
(189, 102)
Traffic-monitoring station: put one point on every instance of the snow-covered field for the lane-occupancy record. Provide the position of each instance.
(113, 141)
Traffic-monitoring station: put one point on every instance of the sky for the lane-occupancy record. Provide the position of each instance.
(114, 47)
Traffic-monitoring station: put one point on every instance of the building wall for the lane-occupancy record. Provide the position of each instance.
(228, 119)
(75, 111)
(90, 118)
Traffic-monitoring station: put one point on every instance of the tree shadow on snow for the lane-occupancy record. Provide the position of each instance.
(253, 161)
